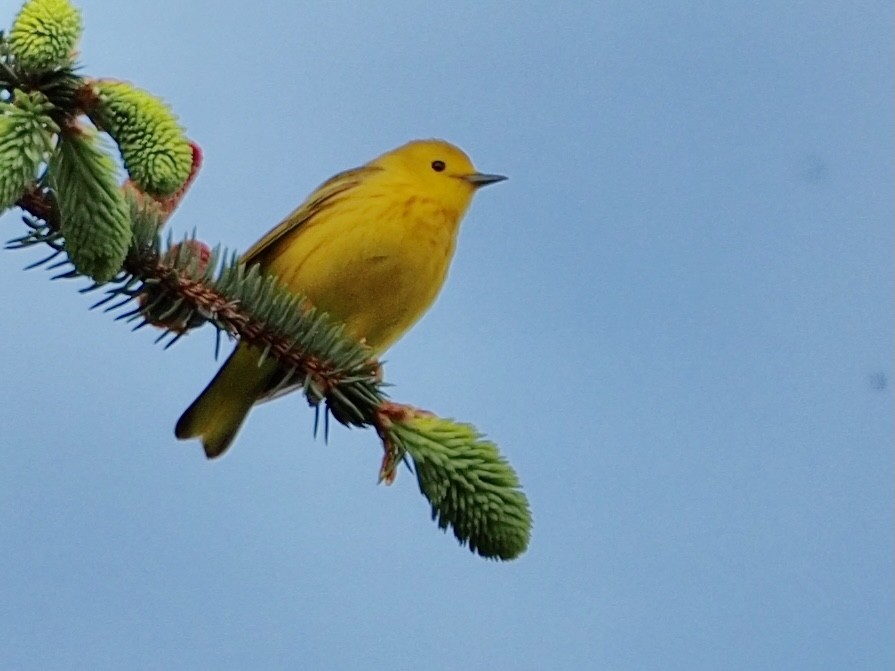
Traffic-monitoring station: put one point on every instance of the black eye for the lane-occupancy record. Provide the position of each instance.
(438, 166)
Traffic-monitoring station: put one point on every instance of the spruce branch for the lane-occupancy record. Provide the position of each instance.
(471, 488)
(95, 222)
(45, 34)
(26, 137)
(54, 167)
(156, 154)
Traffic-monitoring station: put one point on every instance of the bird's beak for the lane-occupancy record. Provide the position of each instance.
(479, 179)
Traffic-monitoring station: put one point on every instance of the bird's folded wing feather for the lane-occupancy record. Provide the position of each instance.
(316, 203)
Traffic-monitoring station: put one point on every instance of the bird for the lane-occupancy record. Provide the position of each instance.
(371, 247)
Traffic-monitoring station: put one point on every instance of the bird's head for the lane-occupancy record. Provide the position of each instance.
(438, 169)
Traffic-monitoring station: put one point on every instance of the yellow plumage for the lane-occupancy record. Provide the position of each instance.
(371, 246)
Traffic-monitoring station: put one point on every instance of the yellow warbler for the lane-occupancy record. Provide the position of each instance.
(371, 246)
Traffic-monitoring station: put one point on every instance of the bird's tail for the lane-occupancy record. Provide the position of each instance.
(220, 410)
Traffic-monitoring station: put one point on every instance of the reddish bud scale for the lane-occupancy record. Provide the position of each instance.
(170, 203)
(393, 412)
(166, 206)
(196, 249)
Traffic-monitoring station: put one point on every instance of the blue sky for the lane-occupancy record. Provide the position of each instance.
(675, 319)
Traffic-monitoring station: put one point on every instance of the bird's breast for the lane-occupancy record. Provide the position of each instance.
(376, 264)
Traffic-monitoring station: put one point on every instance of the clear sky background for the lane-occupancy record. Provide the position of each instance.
(675, 319)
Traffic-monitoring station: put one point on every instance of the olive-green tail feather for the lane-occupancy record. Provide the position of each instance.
(217, 415)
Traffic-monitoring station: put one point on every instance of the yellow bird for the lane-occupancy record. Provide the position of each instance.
(371, 246)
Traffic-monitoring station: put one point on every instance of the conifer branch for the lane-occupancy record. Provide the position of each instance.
(53, 167)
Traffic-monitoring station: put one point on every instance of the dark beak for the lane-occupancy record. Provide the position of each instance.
(479, 179)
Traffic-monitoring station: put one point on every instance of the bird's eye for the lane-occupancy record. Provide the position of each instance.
(438, 166)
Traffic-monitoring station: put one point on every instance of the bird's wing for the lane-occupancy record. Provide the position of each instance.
(318, 201)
